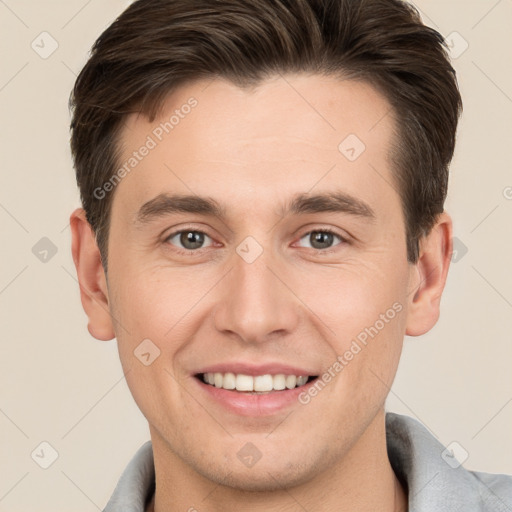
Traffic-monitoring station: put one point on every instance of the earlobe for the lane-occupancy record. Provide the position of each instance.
(91, 277)
(429, 277)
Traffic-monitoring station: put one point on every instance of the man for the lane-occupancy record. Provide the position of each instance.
(263, 187)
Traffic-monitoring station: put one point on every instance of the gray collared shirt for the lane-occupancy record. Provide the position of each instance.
(434, 480)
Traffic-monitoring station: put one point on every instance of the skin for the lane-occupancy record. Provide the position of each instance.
(252, 151)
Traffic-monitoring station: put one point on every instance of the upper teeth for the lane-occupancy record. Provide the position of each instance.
(242, 382)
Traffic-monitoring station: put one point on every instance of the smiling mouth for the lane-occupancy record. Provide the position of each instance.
(258, 384)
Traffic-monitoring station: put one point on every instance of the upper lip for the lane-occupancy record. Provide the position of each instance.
(246, 368)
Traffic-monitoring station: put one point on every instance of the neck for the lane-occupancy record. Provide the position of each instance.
(363, 480)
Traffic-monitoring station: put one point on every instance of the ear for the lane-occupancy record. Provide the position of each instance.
(429, 277)
(91, 277)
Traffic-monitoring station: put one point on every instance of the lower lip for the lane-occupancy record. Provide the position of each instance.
(247, 404)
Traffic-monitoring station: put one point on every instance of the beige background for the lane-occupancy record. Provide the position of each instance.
(61, 386)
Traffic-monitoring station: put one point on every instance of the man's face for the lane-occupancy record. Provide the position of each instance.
(262, 288)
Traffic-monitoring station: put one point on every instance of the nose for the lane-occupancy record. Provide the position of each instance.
(256, 302)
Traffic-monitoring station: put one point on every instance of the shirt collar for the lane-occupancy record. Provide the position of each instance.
(435, 480)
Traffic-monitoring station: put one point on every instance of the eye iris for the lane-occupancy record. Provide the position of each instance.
(192, 239)
(322, 238)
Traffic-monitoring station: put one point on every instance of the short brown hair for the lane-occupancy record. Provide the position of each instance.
(156, 46)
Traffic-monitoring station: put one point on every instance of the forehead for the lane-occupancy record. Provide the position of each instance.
(291, 133)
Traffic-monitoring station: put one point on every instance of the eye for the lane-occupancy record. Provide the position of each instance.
(321, 239)
(189, 239)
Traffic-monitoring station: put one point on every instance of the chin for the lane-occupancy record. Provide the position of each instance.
(260, 481)
(262, 477)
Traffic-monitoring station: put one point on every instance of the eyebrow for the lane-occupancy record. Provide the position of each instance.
(335, 202)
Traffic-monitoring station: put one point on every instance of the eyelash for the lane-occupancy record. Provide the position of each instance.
(193, 252)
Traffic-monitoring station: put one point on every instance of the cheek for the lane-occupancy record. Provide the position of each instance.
(352, 298)
(150, 312)
(363, 309)
(160, 310)
(152, 302)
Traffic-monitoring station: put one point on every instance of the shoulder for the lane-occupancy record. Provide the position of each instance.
(435, 479)
(495, 490)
